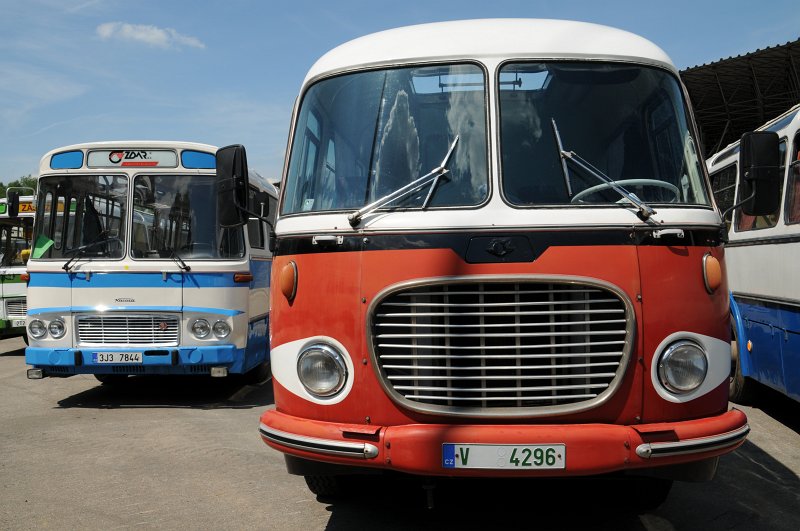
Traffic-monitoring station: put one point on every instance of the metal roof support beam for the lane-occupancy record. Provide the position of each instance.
(795, 77)
(727, 112)
(759, 97)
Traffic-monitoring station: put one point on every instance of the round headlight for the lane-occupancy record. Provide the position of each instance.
(682, 367)
(221, 329)
(57, 328)
(36, 329)
(322, 370)
(201, 328)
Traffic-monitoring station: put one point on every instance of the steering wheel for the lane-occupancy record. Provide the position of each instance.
(627, 182)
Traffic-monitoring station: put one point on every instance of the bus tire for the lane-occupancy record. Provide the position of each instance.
(325, 486)
(740, 390)
(259, 374)
(648, 493)
(111, 379)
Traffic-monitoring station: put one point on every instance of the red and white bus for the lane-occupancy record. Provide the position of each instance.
(498, 255)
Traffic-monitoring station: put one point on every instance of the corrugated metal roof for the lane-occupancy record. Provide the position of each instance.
(741, 93)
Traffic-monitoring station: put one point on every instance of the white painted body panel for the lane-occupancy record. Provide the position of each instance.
(489, 39)
(764, 270)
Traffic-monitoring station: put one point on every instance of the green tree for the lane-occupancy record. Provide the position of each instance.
(26, 181)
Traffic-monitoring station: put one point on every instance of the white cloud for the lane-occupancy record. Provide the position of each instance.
(25, 88)
(146, 34)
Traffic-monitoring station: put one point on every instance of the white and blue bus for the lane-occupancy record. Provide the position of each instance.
(131, 271)
(15, 247)
(762, 256)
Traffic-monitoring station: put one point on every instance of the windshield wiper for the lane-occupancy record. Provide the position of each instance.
(644, 210)
(431, 177)
(80, 251)
(178, 260)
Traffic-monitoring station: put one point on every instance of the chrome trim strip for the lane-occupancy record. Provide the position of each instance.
(766, 299)
(703, 444)
(592, 401)
(316, 445)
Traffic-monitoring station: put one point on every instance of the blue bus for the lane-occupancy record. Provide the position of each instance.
(131, 271)
(762, 256)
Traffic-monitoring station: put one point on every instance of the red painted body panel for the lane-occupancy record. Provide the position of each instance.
(674, 298)
(334, 292)
(590, 448)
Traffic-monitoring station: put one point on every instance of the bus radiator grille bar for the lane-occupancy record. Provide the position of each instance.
(478, 346)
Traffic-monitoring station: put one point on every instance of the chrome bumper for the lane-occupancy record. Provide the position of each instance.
(663, 449)
(321, 446)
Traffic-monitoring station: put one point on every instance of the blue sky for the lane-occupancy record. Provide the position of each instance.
(224, 72)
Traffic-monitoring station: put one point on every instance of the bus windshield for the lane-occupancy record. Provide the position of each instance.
(15, 241)
(362, 136)
(81, 214)
(176, 214)
(629, 122)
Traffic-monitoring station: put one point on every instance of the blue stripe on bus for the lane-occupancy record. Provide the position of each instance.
(197, 309)
(132, 280)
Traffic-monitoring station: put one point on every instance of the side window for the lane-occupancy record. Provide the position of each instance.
(231, 243)
(255, 233)
(723, 183)
(745, 222)
(793, 185)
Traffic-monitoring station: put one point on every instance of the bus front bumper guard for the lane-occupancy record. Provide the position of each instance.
(322, 446)
(590, 448)
(690, 446)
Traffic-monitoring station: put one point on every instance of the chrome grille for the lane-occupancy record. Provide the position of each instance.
(515, 347)
(16, 308)
(128, 329)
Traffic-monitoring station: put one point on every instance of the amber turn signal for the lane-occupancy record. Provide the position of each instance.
(712, 273)
(288, 281)
(242, 277)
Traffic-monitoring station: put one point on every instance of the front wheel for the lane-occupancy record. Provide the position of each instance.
(259, 374)
(325, 486)
(647, 494)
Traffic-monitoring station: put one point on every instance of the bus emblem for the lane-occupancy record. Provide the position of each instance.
(500, 247)
(163, 326)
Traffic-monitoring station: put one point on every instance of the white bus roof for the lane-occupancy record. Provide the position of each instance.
(44, 165)
(491, 38)
(777, 124)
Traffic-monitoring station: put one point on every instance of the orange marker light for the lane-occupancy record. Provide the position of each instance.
(25, 277)
(243, 277)
(712, 273)
(749, 346)
(288, 281)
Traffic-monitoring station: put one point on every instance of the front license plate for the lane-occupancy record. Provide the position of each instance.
(18, 322)
(117, 357)
(504, 456)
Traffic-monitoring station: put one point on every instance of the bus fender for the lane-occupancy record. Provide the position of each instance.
(740, 336)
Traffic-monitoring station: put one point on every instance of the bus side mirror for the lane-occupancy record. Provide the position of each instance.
(232, 186)
(13, 204)
(760, 170)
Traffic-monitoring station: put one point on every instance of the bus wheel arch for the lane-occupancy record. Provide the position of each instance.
(741, 389)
